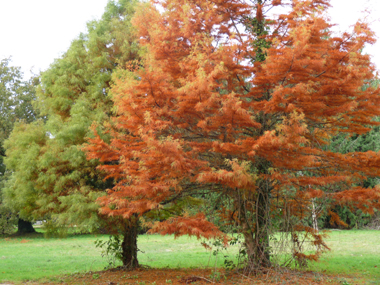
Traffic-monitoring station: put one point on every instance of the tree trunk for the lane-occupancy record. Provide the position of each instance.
(129, 244)
(25, 227)
(261, 237)
(256, 237)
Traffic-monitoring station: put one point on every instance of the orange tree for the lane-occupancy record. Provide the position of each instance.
(231, 102)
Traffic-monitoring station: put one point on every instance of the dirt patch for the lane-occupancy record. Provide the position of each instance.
(195, 276)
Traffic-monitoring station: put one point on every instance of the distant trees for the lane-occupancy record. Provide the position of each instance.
(16, 98)
(247, 114)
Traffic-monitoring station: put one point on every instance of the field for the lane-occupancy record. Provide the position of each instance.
(354, 254)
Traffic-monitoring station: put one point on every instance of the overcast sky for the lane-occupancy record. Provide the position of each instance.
(34, 32)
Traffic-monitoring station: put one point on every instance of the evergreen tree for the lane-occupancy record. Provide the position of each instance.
(16, 98)
(51, 178)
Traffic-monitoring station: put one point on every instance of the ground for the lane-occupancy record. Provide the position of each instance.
(197, 276)
(354, 259)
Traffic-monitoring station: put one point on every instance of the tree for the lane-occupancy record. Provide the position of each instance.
(51, 178)
(249, 112)
(16, 98)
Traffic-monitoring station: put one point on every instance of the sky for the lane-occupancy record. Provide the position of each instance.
(35, 32)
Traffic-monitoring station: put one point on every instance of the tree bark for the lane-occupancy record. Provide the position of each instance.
(261, 245)
(256, 236)
(314, 216)
(24, 227)
(129, 244)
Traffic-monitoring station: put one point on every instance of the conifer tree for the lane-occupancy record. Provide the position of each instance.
(247, 113)
(51, 177)
(16, 98)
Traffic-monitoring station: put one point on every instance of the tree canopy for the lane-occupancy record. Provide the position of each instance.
(16, 97)
(233, 102)
(16, 105)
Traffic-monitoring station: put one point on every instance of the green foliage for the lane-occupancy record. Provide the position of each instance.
(23, 150)
(218, 247)
(261, 44)
(51, 177)
(8, 221)
(111, 249)
(16, 98)
(16, 105)
(52, 230)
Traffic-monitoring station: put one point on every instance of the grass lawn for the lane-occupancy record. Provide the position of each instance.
(21, 259)
(28, 258)
(33, 258)
(352, 252)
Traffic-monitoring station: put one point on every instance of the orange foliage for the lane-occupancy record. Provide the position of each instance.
(202, 113)
(193, 226)
(335, 219)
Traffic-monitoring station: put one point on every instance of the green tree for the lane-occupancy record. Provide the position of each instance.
(16, 98)
(51, 177)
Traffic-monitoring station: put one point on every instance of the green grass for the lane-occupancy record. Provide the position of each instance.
(39, 257)
(21, 259)
(352, 252)
(30, 258)
(163, 251)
